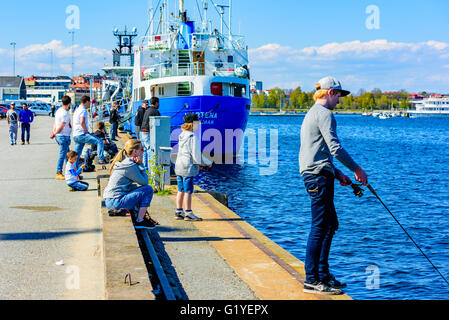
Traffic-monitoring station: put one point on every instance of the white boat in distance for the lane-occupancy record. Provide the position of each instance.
(430, 107)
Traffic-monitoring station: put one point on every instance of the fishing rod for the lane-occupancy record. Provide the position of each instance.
(358, 191)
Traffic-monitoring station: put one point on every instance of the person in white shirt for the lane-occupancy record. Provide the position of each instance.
(72, 173)
(62, 129)
(81, 134)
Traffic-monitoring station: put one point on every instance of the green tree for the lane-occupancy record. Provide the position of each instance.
(405, 104)
(274, 98)
(383, 102)
(297, 98)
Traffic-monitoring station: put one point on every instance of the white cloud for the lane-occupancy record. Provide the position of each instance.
(353, 48)
(60, 51)
(36, 59)
(377, 63)
(439, 77)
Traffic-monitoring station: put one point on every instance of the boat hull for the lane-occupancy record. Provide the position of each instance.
(223, 121)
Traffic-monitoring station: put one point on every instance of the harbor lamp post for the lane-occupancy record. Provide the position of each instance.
(73, 56)
(13, 44)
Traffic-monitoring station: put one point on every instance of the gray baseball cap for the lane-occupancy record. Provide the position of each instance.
(331, 83)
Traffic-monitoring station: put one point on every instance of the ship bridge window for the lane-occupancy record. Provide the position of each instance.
(216, 88)
(239, 90)
(228, 89)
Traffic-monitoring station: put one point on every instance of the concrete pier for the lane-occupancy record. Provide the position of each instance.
(220, 258)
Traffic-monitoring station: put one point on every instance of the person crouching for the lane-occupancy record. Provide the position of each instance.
(122, 192)
(187, 166)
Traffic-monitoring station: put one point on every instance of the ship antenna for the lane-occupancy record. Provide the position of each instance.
(230, 19)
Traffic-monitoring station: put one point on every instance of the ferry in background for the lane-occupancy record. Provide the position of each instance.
(433, 106)
(194, 68)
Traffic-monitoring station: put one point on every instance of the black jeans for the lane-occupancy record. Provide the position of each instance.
(26, 128)
(320, 188)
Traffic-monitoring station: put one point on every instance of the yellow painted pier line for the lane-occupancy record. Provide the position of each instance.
(270, 271)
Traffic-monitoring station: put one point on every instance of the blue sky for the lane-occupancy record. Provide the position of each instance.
(291, 42)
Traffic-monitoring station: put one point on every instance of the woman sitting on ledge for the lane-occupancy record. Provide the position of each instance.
(121, 191)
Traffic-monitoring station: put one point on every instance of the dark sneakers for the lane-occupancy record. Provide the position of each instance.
(144, 224)
(319, 287)
(179, 215)
(332, 282)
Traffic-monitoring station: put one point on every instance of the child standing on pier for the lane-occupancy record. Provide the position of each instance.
(72, 174)
(187, 167)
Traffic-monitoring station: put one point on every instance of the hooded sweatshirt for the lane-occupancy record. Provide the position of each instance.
(123, 177)
(189, 155)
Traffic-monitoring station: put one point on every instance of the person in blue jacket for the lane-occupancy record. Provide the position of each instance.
(26, 117)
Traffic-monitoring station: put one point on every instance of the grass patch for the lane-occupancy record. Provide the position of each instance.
(164, 193)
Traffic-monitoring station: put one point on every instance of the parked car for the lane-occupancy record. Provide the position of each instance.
(3, 113)
(40, 109)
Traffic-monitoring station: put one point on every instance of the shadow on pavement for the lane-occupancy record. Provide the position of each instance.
(29, 236)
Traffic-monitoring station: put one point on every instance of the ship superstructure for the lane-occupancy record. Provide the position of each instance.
(192, 67)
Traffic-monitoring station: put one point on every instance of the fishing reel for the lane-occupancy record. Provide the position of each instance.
(358, 191)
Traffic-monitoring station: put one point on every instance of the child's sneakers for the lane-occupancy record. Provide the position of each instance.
(189, 216)
(71, 189)
(179, 214)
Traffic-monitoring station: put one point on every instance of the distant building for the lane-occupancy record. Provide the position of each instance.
(415, 96)
(12, 88)
(256, 85)
(47, 89)
(81, 86)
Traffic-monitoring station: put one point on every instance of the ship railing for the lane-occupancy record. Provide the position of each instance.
(199, 40)
(168, 69)
(156, 42)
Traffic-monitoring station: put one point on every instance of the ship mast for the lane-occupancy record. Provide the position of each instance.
(230, 19)
(181, 6)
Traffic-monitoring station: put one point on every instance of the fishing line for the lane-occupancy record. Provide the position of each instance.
(354, 186)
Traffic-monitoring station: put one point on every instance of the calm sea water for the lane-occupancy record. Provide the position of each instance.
(407, 164)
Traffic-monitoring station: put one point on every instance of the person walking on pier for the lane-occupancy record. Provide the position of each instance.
(139, 117)
(152, 111)
(81, 134)
(26, 117)
(62, 129)
(12, 121)
(121, 193)
(319, 144)
(114, 118)
(187, 166)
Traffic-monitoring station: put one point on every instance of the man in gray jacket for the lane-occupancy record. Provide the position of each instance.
(319, 144)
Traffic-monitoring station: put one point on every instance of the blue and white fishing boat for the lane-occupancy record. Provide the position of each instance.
(193, 68)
